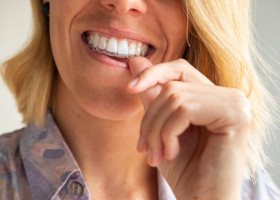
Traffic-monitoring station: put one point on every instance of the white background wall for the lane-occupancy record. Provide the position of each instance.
(267, 22)
(15, 23)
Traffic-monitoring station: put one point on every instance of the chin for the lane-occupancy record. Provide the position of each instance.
(116, 109)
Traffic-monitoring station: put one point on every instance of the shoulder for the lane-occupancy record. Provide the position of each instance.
(10, 158)
(262, 188)
(9, 144)
(13, 182)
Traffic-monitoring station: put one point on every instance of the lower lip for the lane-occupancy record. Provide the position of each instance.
(103, 58)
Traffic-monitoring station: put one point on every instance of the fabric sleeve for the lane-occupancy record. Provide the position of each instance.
(263, 189)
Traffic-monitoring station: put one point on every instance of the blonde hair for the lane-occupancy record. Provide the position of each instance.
(222, 48)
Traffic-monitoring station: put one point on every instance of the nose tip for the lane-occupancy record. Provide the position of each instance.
(125, 6)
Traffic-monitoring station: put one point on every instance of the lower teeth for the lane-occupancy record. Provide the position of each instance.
(104, 51)
(112, 54)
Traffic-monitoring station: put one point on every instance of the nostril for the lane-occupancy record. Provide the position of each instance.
(108, 6)
(111, 6)
(123, 7)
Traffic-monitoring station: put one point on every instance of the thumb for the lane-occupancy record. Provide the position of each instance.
(137, 65)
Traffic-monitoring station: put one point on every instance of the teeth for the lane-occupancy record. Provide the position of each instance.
(93, 40)
(112, 46)
(143, 50)
(132, 49)
(138, 49)
(102, 43)
(121, 48)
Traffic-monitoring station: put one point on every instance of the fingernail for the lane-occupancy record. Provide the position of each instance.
(133, 82)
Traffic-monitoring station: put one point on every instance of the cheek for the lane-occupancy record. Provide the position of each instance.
(62, 14)
(175, 31)
(59, 36)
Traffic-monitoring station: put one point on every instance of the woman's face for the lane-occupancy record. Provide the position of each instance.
(94, 80)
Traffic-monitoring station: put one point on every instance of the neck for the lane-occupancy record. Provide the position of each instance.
(105, 150)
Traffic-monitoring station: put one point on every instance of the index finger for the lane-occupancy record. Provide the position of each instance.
(177, 70)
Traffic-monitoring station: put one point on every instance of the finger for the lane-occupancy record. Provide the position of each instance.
(160, 108)
(170, 93)
(142, 146)
(137, 65)
(155, 149)
(175, 125)
(209, 107)
(157, 106)
(150, 113)
(152, 126)
(150, 95)
(154, 108)
(177, 70)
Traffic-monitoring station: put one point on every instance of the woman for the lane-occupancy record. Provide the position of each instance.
(101, 77)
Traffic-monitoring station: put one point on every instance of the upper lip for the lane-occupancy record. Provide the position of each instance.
(120, 33)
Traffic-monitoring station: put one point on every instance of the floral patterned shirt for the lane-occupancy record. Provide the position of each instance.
(36, 163)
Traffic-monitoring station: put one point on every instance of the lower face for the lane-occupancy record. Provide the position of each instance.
(93, 79)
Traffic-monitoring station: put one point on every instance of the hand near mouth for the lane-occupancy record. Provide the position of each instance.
(195, 132)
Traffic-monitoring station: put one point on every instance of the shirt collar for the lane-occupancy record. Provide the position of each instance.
(164, 190)
(49, 163)
(47, 160)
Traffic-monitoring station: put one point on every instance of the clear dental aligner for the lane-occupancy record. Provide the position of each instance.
(112, 46)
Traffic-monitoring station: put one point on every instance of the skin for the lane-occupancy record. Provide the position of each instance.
(96, 110)
(196, 133)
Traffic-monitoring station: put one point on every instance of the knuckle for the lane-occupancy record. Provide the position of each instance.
(173, 99)
(241, 109)
(184, 108)
(242, 104)
(169, 87)
(182, 61)
(245, 112)
(232, 117)
(147, 73)
(237, 96)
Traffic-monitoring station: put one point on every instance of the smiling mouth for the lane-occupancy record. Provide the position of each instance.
(119, 49)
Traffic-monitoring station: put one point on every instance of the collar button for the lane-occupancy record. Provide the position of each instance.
(76, 188)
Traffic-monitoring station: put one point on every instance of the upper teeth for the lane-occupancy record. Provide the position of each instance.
(112, 46)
